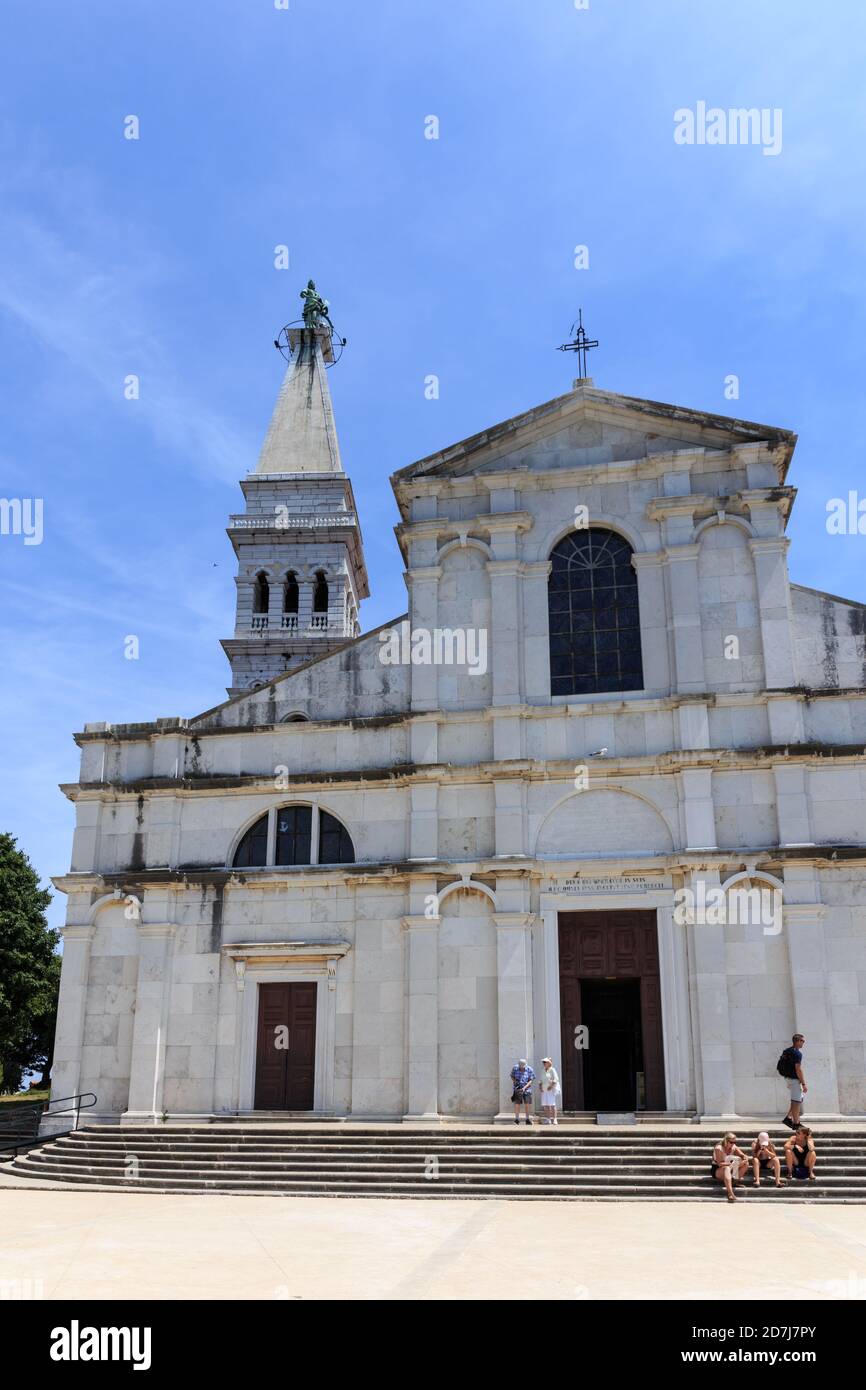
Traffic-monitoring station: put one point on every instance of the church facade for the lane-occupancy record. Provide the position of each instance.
(598, 794)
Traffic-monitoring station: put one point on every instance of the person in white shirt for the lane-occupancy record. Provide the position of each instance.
(549, 1081)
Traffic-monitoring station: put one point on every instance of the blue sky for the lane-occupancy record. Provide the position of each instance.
(305, 127)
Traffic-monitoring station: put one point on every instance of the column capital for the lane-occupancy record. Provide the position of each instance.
(768, 545)
(645, 559)
(688, 551)
(75, 931)
(421, 923)
(510, 567)
(515, 920)
(805, 913)
(423, 573)
(155, 930)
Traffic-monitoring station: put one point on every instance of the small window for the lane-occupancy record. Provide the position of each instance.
(252, 852)
(335, 843)
(320, 593)
(290, 594)
(261, 593)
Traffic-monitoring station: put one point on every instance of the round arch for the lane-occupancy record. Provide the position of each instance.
(709, 523)
(459, 543)
(608, 786)
(470, 885)
(116, 899)
(603, 521)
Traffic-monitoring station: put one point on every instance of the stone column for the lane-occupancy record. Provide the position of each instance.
(424, 820)
(774, 605)
(69, 1039)
(509, 810)
(422, 1018)
(514, 969)
(792, 805)
(686, 618)
(673, 972)
(147, 1070)
(804, 933)
(536, 642)
(423, 613)
(657, 677)
(506, 621)
(714, 1057)
(696, 784)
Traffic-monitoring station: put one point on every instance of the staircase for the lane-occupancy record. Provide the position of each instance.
(393, 1161)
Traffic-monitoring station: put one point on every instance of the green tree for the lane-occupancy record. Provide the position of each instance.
(29, 969)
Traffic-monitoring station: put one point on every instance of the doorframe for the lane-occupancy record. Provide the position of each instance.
(253, 968)
(673, 980)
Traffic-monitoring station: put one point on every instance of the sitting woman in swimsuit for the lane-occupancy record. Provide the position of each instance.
(800, 1154)
(764, 1156)
(728, 1165)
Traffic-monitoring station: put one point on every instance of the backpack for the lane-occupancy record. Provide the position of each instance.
(785, 1065)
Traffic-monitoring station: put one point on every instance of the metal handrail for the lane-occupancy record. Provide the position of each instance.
(84, 1100)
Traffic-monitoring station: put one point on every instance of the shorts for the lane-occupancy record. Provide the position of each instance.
(521, 1097)
(796, 1090)
(764, 1163)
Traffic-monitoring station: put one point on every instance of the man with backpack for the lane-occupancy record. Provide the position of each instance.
(790, 1065)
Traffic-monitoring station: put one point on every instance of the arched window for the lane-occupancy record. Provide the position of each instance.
(290, 593)
(294, 832)
(594, 623)
(261, 593)
(335, 843)
(320, 593)
(252, 852)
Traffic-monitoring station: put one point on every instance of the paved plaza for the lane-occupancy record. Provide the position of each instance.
(73, 1244)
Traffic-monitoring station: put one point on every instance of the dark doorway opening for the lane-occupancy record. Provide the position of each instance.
(613, 1060)
(609, 986)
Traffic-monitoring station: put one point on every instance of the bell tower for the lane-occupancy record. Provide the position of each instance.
(301, 573)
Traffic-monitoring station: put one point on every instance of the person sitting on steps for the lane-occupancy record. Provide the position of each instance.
(728, 1165)
(764, 1156)
(801, 1155)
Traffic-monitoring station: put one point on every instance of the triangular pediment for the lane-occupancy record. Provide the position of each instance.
(588, 427)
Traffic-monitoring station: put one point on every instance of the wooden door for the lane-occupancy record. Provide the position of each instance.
(615, 945)
(286, 1047)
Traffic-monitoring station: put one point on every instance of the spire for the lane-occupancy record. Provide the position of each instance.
(301, 572)
(302, 436)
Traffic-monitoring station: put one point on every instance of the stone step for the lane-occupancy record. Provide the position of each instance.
(392, 1161)
(550, 1136)
(290, 1162)
(361, 1186)
(539, 1152)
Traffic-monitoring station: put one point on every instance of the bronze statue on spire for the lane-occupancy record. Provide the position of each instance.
(315, 307)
